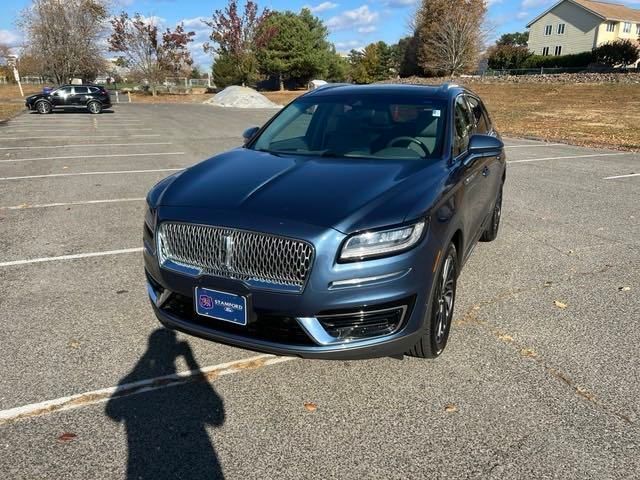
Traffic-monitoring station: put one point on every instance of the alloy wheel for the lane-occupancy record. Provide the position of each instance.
(445, 298)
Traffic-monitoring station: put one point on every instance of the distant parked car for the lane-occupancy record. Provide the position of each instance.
(92, 97)
(337, 231)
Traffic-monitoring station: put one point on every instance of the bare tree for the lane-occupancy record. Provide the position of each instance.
(148, 54)
(452, 34)
(65, 36)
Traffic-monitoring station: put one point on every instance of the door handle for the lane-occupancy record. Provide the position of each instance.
(486, 172)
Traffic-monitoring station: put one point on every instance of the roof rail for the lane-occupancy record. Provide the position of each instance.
(449, 85)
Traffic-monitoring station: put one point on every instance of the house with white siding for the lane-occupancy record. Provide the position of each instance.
(575, 26)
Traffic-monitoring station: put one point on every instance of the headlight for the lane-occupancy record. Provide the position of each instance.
(383, 242)
(150, 219)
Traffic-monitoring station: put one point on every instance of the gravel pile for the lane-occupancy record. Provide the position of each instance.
(241, 97)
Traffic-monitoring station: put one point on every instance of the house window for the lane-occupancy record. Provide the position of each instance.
(548, 29)
(558, 50)
(545, 51)
(611, 27)
(561, 29)
(627, 27)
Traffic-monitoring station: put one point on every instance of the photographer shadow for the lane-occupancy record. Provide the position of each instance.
(167, 428)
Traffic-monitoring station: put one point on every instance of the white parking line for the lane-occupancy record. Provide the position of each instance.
(569, 157)
(13, 131)
(117, 172)
(536, 145)
(108, 155)
(623, 176)
(69, 257)
(148, 385)
(82, 136)
(78, 145)
(26, 206)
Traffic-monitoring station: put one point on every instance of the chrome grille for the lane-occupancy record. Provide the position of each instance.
(261, 259)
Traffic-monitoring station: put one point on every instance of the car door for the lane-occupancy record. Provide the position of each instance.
(470, 171)
(491, 166)
(79, 97)
(60, 97)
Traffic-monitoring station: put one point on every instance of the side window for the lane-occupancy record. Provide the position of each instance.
(62, 92)
(463, 126)
(93, 90)
(81, 90)
(479, 116)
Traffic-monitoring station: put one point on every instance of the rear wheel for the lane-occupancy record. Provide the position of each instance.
(43, 107)
(437, 321)
(491, 233)
(94, 107)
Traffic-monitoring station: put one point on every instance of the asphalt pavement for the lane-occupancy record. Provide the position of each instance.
(540, 379)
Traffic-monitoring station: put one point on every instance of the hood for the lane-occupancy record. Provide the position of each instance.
(36, 96)
(345, 194)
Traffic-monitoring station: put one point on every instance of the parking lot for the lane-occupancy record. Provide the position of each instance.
(541, 377)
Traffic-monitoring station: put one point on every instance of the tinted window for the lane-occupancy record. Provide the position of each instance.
(463, 124)
(63, 92)
(93, 90)
(479, 117)
(357, 126)
(81, 90)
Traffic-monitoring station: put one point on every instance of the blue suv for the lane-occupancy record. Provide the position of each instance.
(338, 230)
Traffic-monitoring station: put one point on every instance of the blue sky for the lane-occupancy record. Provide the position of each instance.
(352, 23)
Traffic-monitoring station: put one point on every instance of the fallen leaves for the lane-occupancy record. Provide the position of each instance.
(560, 304)
(450, 408)
(624, 289)
(67, 437)
(310, 406)
(73, 343)
(528, 352)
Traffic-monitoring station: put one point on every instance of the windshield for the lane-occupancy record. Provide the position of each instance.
(367, 126)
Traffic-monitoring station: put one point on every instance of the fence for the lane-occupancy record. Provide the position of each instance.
(552, 70)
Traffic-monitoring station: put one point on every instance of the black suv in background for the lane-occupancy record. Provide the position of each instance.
(92, 97)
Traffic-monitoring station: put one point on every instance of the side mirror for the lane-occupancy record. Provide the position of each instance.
(485, 146)
(249, 133)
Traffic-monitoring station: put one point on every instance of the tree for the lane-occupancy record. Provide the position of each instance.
(337, 67)
(619, 52)
(451, 34)
(516, 39)
(148, 54)
(65, 37)
(406, 57)
(236, 38)
(297, 47)
(372, 64)
(225, 72)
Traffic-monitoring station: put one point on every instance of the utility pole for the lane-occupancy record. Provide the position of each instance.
(12, 61)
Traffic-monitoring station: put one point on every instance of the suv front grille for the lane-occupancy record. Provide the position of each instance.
(260, 259)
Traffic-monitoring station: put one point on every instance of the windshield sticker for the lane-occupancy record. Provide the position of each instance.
(436, 113)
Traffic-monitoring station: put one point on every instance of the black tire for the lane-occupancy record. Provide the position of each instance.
(491, 233)
(43, 107)
(439, 311)
(94, 107)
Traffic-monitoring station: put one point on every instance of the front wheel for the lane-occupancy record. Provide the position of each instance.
(43, 107)
(94, 107)
(439, 312)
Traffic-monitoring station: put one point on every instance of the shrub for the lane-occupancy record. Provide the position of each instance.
(507, 56)
(575, 60)
(618, 52)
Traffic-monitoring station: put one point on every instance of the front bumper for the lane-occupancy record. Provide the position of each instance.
(287, 323)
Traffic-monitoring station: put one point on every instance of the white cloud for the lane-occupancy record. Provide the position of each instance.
(358, 17)
(347, 46)
(10, 38)
(367, 29)
(400, 3)
(322, 7)
(522, 15)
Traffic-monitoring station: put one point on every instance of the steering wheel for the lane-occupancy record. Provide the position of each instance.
(424, 148)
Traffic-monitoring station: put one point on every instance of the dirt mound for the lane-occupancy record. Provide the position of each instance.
(241, 97)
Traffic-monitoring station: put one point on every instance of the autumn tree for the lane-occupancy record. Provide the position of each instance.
(149, 54)
(619, 52)
(65, 37)
(374, 63)
(235, 39)
(451, 35)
